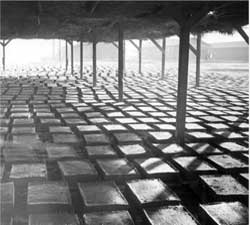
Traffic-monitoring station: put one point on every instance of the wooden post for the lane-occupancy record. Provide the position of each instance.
(59, 51)
(72, 57)
(120, 61)
(163, 57)
(124, 56)
(66, 55)
(94, 62)
(53, 49)
(198, 60)
(140, 47)
(182, 84)
(3, 59)
(81, 59)
(4, 44)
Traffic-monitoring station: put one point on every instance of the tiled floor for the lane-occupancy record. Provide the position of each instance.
(73, 154)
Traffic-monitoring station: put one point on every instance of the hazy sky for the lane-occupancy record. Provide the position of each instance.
(24, 51)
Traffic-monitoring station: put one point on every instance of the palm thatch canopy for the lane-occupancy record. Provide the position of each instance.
(86, 20)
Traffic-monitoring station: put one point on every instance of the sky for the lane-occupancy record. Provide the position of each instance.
(20, 51)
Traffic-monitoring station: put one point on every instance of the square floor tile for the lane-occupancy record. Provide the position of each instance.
(224, 187)
(228, 162)
(88, 128)
(126, 120)
(54, 219)
(155, 167)
(19, 153)
(60, 129)
(102, 195)
(81, 169)
(7, 195)
(132, 150)
(127, 137)
(108, 218)
(46, 193)
(58, 151)
(169, 215)
(96, 139)
(50, 121)
(140, 126)
(23, 130)
(151, 192)
(117, 169)
(225, 213)
(65, 138)
(193, 164)
(114, 127)
(161, 135)
(170, 149)
(99, 120)
(204, 148)
(100, 151)
(233, 147)
(201, 135)
(28, 170)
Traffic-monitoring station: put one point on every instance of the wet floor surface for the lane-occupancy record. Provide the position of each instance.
(74, 154)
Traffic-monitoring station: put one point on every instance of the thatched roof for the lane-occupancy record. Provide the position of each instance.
(83, 20)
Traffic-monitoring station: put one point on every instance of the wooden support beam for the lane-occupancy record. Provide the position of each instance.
(7, 42)
(72, 57)
(120, 61)
(81, 59)
(156, 44)
(191, 47)
(198, 60)
(182, 84)
(94, 62)
(66, 56)
(135, 45)
(163, 58)
(243, 34)
(140, 55)
(116, 45)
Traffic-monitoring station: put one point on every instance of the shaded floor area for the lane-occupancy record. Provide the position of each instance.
(73, 154)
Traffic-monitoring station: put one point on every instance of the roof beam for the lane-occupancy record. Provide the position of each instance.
(243, 34)
(198, 16)
(94, 7)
